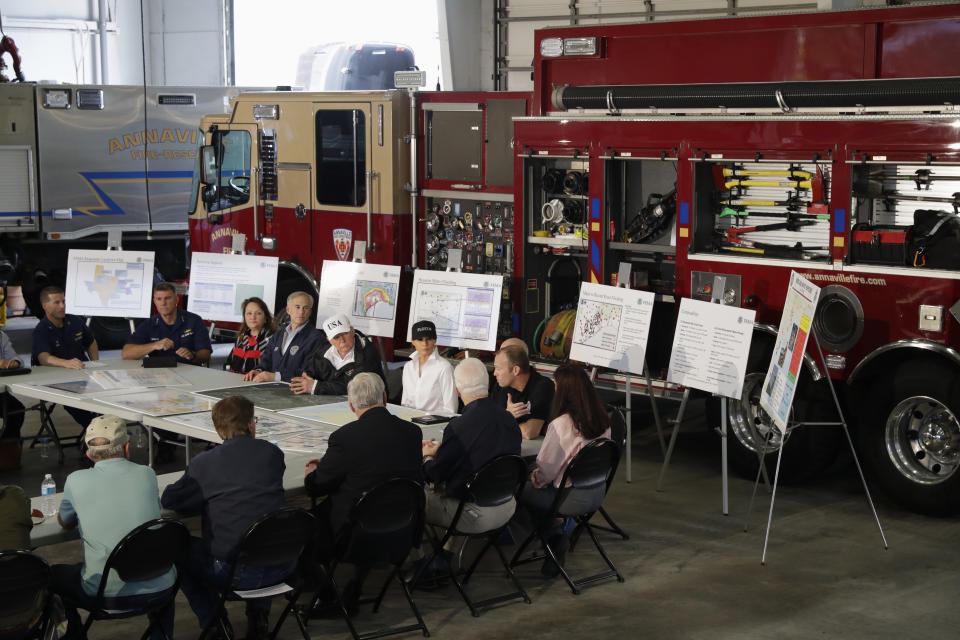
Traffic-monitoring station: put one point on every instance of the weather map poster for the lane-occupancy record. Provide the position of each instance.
(365, 293)
(780, 383)
(220, 282)
(116, 284)
(611, 327)
(465, 307)
(711, 346)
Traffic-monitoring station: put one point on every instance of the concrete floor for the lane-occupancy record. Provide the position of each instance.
(690, 572)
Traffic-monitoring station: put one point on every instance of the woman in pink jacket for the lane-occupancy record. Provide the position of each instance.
(578, 418)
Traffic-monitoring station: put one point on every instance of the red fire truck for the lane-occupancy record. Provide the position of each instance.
(747, 148)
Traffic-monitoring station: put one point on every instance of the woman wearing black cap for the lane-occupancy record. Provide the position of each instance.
(428, 378)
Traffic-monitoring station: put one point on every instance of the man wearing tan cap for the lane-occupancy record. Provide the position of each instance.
(108, 502)
(350, 352)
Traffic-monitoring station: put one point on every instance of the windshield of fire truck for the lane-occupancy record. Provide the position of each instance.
(232, 150)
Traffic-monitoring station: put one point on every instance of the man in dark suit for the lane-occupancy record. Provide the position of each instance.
(373, 448)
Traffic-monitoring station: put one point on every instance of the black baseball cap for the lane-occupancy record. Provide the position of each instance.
(423, 330)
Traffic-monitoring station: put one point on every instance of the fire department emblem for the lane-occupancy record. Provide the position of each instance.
(342, 241)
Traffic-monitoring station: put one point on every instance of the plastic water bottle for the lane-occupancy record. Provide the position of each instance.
(48, 489)
(139, 440)
(44, 447)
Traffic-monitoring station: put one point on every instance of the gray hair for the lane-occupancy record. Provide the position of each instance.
(365, 390)
(102, 452)
(471, 378)
(297, 294)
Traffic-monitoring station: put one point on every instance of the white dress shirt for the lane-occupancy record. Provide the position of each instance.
(432, 388)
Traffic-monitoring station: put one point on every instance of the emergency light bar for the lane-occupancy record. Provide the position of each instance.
(556, 47)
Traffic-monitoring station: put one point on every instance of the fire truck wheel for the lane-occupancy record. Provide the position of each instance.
(810, 450)
(911, 440)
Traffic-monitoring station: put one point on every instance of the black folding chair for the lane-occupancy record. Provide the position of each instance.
(385, 524)
(618, 433)
(588, 474)
(147, 552)
(496, 483)
(277, 539)
(24, 592)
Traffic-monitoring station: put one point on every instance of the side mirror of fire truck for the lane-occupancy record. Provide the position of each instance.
(208, 165)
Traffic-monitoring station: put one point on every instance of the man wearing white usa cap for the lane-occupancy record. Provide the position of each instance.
(350, 352)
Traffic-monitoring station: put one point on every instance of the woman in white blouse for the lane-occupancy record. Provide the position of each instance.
(428, 378)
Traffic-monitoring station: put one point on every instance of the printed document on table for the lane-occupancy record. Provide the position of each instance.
(159, 402)
(130, 378)
(365, 293)
(780, 383)
(339, 413)
(710, 347)
(612, 326)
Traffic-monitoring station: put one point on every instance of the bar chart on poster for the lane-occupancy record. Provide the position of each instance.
(220, 282)
(465, 307)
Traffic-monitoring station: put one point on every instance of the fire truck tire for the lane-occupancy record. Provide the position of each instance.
(910, 440)
(809, 450)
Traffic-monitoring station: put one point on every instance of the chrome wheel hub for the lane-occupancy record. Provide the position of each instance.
(922, 438)
(748, 422)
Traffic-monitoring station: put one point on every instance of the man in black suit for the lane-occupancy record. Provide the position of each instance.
(373, 448)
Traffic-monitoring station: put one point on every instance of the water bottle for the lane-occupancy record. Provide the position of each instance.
(44, 447)
(139, 440)
(48, 489)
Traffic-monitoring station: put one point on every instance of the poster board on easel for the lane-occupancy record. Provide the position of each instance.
(366, 293)
(109, 283)
(780, 383)
(711, 346)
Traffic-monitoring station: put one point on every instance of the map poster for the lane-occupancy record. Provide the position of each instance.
(115, 284)
(612, 326)
(220, 282)
(159, 402)
(711, 346)
(780, 383)
(465, 307)
(365, 293)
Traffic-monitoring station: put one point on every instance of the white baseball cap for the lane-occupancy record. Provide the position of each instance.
(335, 325)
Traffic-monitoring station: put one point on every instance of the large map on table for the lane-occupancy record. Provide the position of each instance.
(339, 413)
(272, 396)
(159, 402)
(117, 284)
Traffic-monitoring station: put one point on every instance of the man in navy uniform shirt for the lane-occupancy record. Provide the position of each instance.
(63, 340)
(171, 332)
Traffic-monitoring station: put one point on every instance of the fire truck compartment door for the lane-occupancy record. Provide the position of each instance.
(18, 183)
(291, 222)
(455, 145)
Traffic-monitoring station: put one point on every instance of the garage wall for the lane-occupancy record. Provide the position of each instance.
(59, 41)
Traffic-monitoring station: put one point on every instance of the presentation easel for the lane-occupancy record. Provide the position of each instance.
(719, 285)
(790, 428)
(623, 282)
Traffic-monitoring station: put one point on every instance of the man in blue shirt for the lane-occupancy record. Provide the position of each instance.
(108, 502)
(170, 332)
(292, 347)
(63, 340)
